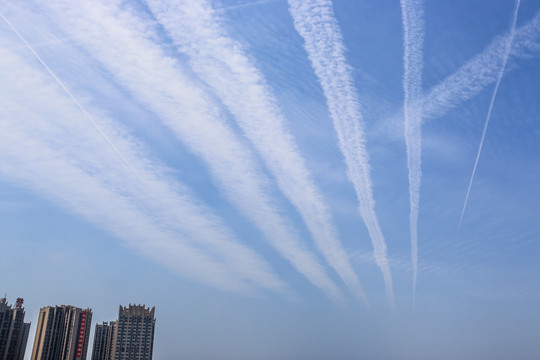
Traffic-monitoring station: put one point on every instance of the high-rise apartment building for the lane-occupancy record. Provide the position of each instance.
(131, 337)
(100, 341)
(62, 333)
(102, 338)
(13, 330)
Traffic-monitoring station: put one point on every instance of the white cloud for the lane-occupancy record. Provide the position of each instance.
(49, 145)
(124, 43)
(315, 22)
(413, 29)
(473, 76)
(220, 62)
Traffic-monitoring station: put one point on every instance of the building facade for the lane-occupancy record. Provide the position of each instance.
(101, 348)
(13, 330)
(62, 333)
(131, 337)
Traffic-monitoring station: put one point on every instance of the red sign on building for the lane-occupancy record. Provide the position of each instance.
(81, 335)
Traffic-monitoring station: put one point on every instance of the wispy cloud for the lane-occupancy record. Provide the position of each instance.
(506, 54)
(221, 63)
(480, 71)
(413, 29)
(247, 4)
(42, 43)
(68, 93)
(48, 144)
(124, 42)
(477, 73)
(315, 22)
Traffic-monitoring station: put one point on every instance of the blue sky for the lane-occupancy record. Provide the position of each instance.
(262, 172)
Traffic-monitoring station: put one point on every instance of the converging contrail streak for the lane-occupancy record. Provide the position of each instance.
(125, 44)
(413, 29)
(220, 61)
(315, 22)
(164, 221)
(86, 114)
(510, 39)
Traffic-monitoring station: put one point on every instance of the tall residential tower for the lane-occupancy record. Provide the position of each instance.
(101, 349)
(131, 337)
(13, 330)
(62, 333)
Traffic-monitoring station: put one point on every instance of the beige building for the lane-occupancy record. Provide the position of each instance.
(131, 337)
(62, 333)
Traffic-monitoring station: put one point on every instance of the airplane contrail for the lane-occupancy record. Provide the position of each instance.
(413, 29)
(249, 4)
(43, 43)
(220, 62)
(81, 175)
(481, 70)
(73, 98)
(473, 76)
(158, 81)
(510, 39)
(315, 22)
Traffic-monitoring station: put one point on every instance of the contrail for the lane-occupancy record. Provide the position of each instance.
(221, 63)
(510, 39)
(473, 76)
(315, 22)
(86, 114)
(163, 221)
(482, 70)
(124, 43)
(413, 29)
(43, 43)
(249, 4)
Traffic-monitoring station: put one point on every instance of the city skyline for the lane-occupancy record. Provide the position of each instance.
(64, 332)
(291, 179)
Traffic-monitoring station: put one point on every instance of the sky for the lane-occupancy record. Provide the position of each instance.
(281, 179)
